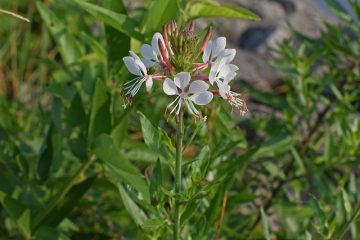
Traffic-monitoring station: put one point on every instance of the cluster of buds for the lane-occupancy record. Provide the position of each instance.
(173, 59)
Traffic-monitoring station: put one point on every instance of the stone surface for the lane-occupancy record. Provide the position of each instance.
(254, 40)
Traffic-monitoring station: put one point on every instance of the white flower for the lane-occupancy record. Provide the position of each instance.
(235, 99)
(221, 71)
(216, 49)
(152, 55)
(187, 93)
(136, 67)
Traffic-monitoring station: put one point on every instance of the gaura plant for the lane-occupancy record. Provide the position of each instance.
(192, 70)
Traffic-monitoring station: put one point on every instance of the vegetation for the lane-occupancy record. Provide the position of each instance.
(76, 164)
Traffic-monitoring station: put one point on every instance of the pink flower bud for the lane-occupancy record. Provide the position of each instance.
(163, 52)
(166, 38)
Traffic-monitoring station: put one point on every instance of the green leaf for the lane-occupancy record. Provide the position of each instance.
(151, 134)
(17, 212)
(207, 10)
(153, 224)
(159, 13)
(105, 149)
(46, 156)
(156, 180)
(68, 47)
(45, 232)
(275, 145)
(100, 120)
(76, 115)
(115, 38)
(69, 202)
(265, 224)
(215, 205)
(121, 22)
(135, 211)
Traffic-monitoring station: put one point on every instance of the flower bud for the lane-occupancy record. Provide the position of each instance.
(173, 26)
(192, 27)
(205, 41)
(163, 52)
(166, 38)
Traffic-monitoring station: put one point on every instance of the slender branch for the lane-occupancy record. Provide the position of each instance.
(14, 15)
(178, 162)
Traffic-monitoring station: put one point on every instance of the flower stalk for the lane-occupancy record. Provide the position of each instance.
(178, 179)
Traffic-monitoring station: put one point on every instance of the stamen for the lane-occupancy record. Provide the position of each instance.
(236, 101)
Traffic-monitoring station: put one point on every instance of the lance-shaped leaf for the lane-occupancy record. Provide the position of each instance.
(66, 42)
(208, 10)
(121, 22)
(100, 120)
(17, 212)
(121, 169)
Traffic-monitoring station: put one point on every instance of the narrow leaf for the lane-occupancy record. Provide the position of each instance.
(68, 47)
(265, 224)
(70, 201)
(100, 121)
(207, 10)
(46, 155)
(17, 212)
(151, 134)
(121, 22)
(122, 169)
(116, 38)
(135, 211)
(159, 13)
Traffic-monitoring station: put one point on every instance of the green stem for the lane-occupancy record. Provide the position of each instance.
(178, 160)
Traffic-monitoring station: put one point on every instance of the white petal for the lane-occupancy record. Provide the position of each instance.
(230, 76)
(232, 67)
(207, 52)
(169, 87)
(149, 83)
(223, 89)
(182, 79)
(228, 54)
(218, 46)
(142, 66)
(132, 66)
(198, 86)
(148, 63)
(202, 98)
(148, 52)
(212, 76)
(155, 42)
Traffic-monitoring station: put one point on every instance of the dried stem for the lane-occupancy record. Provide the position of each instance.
(14, 15)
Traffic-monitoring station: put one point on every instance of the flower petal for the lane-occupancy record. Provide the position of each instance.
(202, 98)
(149, 83)
(223, 89)
(140, 65)
(207, 52)
(132, 66)
(218, 45)
(169, 87)
(198, 86)
(228, 54)
(148, 52)
(182, 79)
(155, 42)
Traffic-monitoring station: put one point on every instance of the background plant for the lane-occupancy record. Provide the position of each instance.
(63, 131)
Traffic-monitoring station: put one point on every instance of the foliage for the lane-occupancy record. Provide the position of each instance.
(75, 164)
